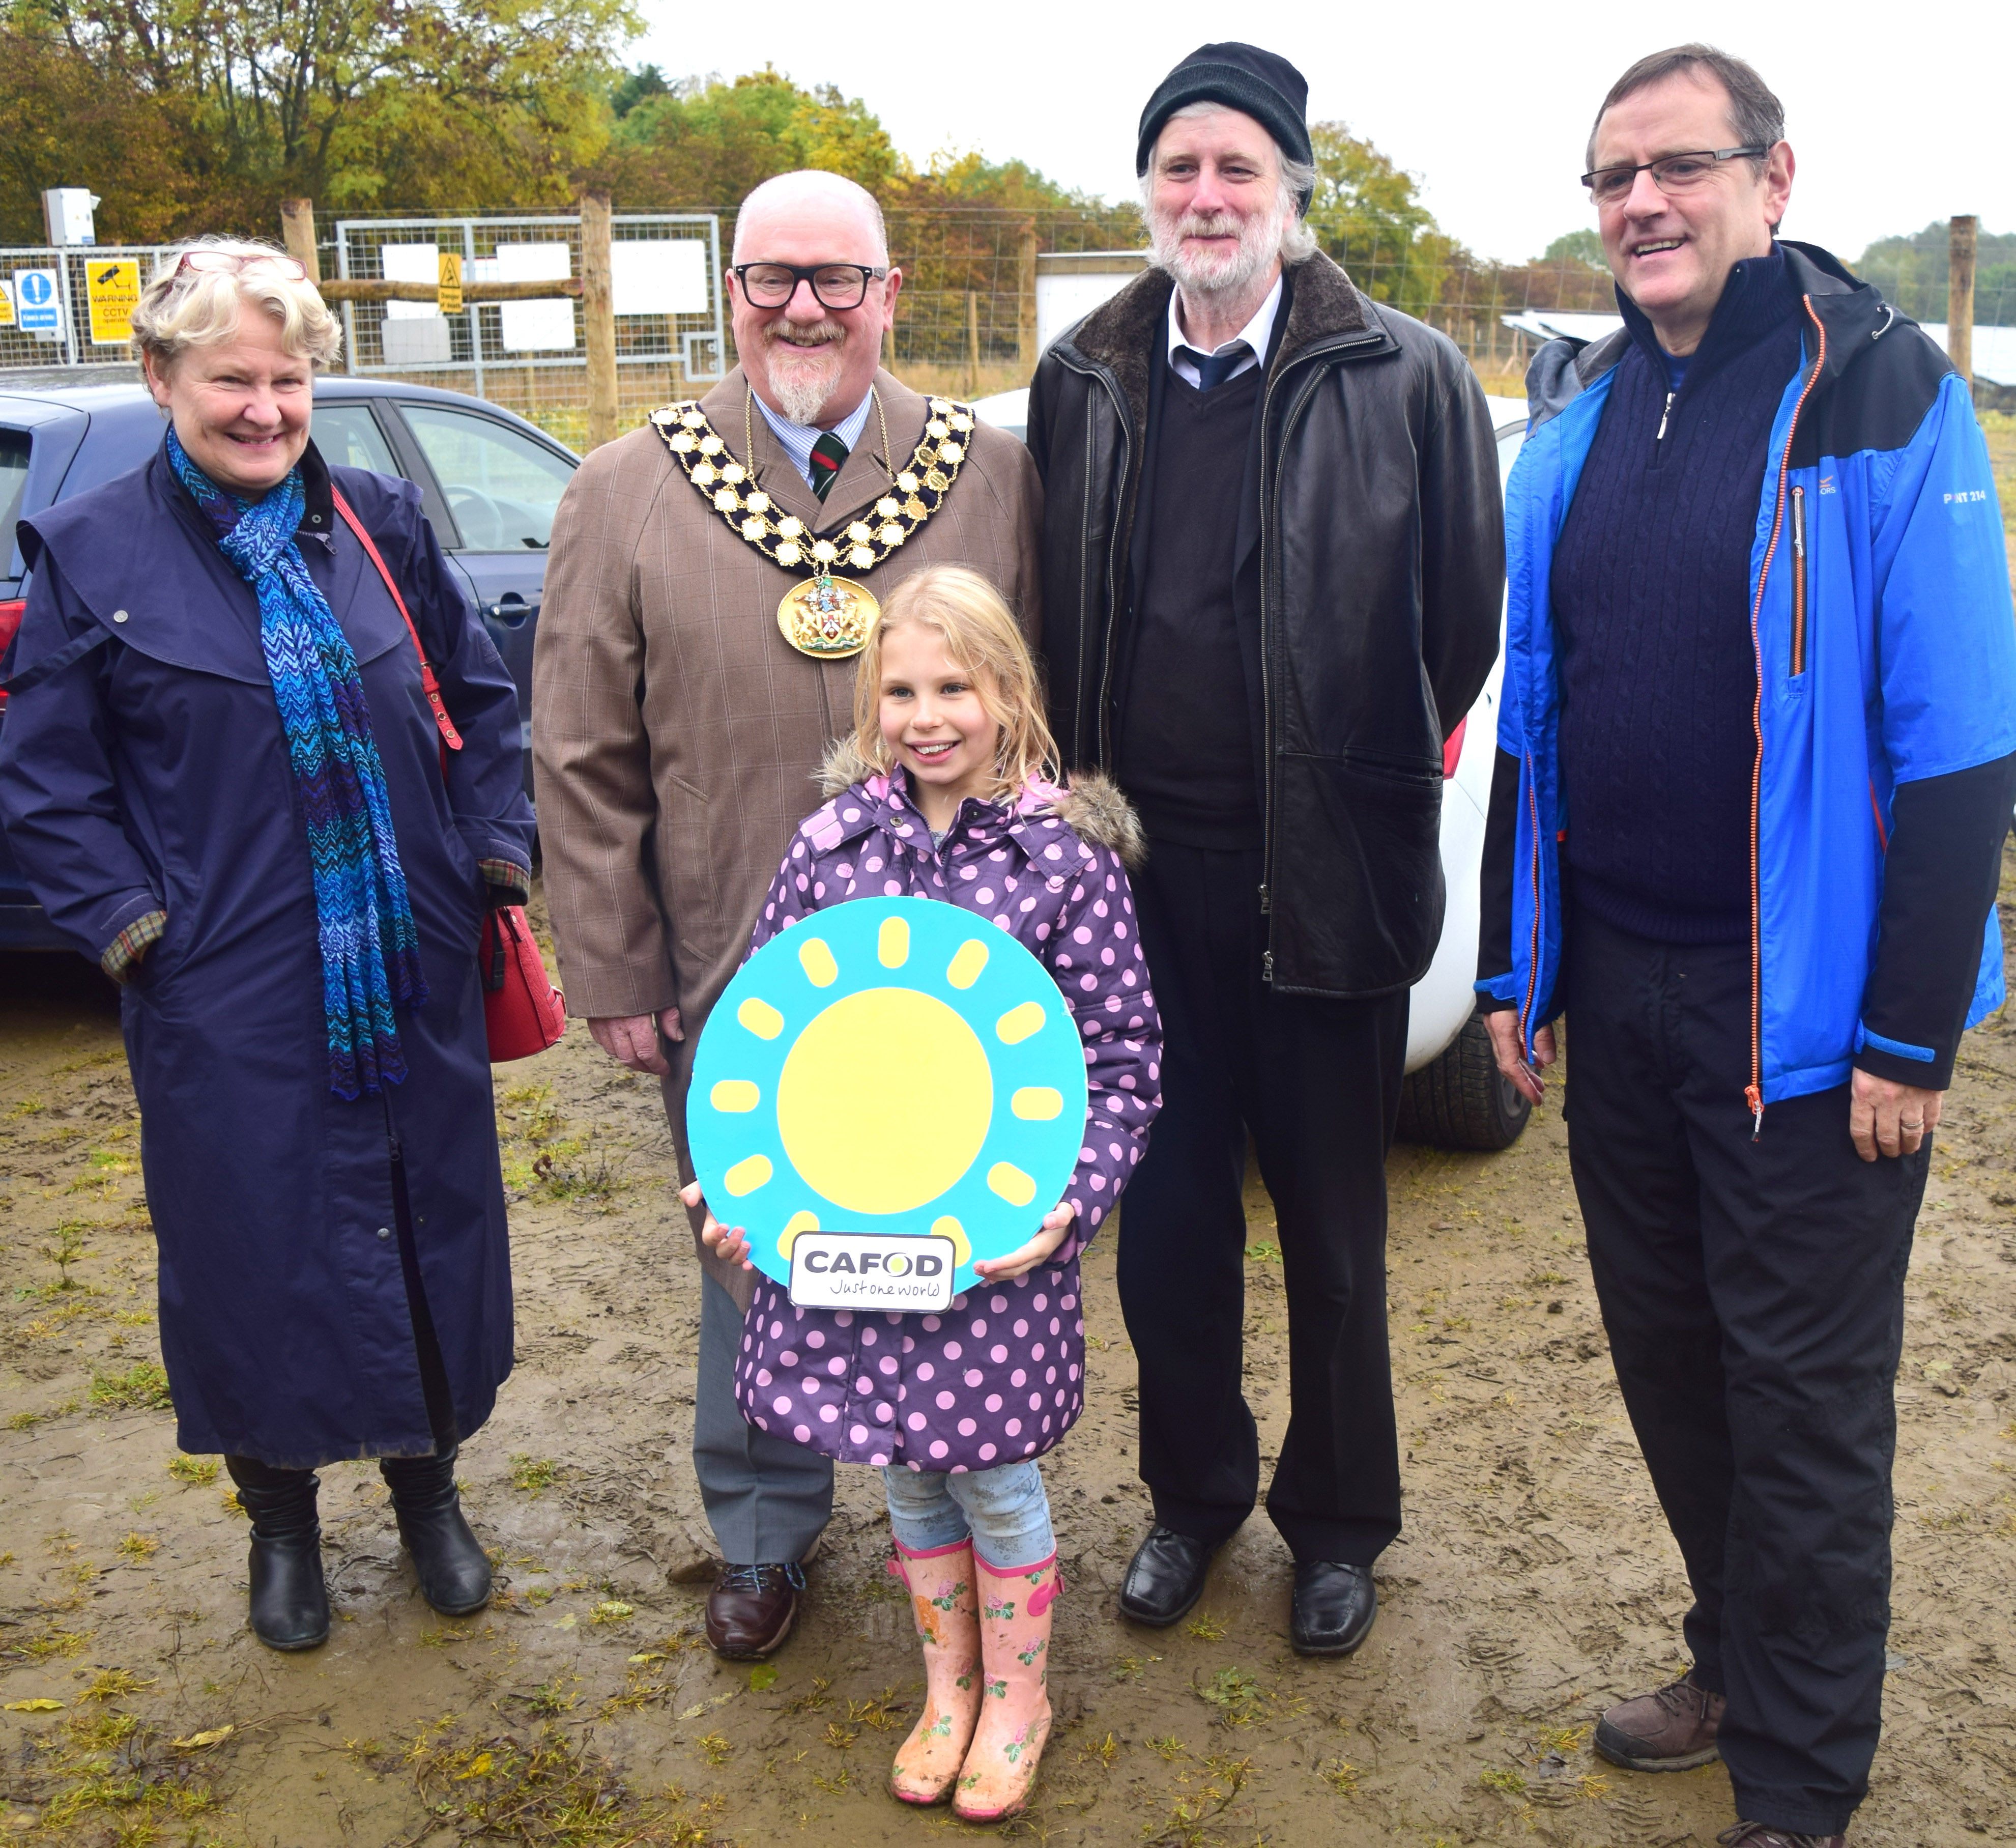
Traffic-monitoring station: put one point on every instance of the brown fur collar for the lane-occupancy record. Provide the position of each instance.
(1092, 806)
(1123, 335)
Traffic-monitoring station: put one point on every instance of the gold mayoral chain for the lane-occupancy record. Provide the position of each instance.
(826, 616)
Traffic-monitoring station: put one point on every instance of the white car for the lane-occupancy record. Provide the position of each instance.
(1454, 1095)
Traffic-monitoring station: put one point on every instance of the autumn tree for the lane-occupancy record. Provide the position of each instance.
(233, 104)
(1367, 213)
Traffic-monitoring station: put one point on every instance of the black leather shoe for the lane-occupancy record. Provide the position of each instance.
(290, 1604)
(1333, 1608)
(1164, 1578)
(453, 1568)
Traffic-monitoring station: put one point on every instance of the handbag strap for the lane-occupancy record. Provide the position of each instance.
(450, 738)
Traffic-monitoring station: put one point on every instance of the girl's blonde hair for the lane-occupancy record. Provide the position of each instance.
(181, 308)
(983, 640)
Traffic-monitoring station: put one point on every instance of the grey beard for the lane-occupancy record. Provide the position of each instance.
(801, 386)
(1259, 244)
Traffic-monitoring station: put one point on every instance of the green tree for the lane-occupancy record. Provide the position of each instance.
(1367, 213)
(1584, 246)
(350, 103)
(707, 142)
(1912, 273)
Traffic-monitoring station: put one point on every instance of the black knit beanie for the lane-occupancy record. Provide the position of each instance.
(1242, 77)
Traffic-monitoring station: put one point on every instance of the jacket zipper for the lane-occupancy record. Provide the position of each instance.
(1267, 676)
(1798, 581)
(1101, 715)
(1664, 415)
(1753, 1093)
(1533, 954)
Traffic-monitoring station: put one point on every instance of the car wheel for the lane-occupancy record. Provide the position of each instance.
(1461, 1100)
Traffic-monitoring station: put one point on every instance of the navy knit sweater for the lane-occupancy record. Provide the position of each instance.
(1651, 601)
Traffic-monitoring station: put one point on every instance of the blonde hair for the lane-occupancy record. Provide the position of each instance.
(181, 308)
(983, 640)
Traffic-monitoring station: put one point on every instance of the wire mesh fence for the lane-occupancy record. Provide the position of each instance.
(983, 289)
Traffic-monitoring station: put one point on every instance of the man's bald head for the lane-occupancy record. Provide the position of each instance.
(846, 211)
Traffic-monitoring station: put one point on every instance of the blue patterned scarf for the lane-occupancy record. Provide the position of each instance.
(370, 949)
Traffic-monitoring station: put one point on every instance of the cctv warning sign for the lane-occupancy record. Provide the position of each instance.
(112, 285)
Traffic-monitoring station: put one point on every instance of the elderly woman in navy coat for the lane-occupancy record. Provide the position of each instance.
(222, 776)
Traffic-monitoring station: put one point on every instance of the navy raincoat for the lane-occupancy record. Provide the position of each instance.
(151, 773)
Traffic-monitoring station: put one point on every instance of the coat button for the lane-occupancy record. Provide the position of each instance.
(384, 1231)
(118, 615)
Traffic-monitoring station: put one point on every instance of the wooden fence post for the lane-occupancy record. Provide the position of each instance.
(298, 226)
(1959, 296)
(598, 314)
(1025, 279)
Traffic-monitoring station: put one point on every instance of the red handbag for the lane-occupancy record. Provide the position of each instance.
(522, 1012)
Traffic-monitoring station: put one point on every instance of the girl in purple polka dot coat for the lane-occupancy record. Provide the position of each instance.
(944, 793)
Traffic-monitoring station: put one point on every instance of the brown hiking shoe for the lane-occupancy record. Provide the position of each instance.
(1757, 1835)
(1672, 1730)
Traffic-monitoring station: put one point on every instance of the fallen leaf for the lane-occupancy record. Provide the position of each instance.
(565, 1622)
(197, 1741)
(720, 1700)
(648, 1656)
(762, 1677)
(34, 1706)
(479, 1768)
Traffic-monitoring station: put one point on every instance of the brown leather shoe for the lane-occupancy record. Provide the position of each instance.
(1672, 1730)
(1756, 1835)
(752, 1609)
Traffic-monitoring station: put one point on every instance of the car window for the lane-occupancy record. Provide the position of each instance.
(13, 482)
(502, 487)
(348, 436)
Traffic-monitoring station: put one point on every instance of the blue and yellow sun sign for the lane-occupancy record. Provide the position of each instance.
(889, 1065)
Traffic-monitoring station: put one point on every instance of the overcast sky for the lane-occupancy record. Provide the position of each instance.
(1898, 115)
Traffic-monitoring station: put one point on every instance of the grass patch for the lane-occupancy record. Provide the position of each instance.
(142, 1387)
(202, 1471)
(533, 1475)
(138, 1547)
(548, 1790)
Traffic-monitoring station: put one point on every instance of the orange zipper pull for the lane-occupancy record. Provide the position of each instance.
(1753, 1097)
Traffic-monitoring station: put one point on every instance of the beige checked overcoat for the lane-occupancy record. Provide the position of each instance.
(675, 733)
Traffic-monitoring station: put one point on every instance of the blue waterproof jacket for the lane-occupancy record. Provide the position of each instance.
(1886, 650)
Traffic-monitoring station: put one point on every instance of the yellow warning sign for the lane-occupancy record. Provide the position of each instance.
(450, 301)
(6, 304)
(112, 284)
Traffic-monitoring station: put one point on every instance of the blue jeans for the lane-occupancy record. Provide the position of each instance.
(1005, 1510)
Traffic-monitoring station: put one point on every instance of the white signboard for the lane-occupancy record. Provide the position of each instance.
(37, 305)
(411, 263)
(536, 326)
(659, 276)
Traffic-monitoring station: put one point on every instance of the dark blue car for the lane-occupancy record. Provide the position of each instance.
(491, 483)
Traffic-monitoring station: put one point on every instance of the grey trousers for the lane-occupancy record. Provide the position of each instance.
(767, 1500)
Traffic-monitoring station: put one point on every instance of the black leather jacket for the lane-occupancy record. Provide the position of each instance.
(1373, 602)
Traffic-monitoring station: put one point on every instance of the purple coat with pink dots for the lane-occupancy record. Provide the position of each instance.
(999, 1376)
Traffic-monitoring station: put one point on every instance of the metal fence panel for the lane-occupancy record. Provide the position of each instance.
(73, 341)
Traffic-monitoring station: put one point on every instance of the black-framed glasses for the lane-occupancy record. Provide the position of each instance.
(835, 285)
(1671, 173)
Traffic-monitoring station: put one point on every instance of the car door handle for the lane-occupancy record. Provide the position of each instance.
(511, 610)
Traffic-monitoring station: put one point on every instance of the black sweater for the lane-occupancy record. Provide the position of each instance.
(1651, 597)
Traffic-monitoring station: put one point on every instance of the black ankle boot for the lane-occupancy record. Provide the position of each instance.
(289, 1599)
(454, 1570)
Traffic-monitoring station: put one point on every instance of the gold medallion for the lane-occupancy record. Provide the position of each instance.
(828, 618)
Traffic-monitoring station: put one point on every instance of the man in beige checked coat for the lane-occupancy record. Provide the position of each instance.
(678, 731)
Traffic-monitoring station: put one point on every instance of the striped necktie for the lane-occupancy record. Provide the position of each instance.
(828, 453)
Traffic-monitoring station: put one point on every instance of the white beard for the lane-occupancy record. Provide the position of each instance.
(802, 383)
(1259, 244)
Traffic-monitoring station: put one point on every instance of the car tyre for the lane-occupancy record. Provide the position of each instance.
(1460, 1099)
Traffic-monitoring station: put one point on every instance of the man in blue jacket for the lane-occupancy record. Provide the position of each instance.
(1755, 769)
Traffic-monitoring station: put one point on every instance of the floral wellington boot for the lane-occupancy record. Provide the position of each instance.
(1000, 1768)
(947, 1613)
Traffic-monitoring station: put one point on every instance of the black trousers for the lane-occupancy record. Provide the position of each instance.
(1753, 1292)
(1316, 1083)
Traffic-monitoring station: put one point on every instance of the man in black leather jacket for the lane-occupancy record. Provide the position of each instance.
(1273, 564)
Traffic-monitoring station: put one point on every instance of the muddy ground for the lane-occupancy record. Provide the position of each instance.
(1534, 1583)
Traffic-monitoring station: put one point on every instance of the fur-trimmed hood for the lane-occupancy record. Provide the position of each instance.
(1092, 805)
